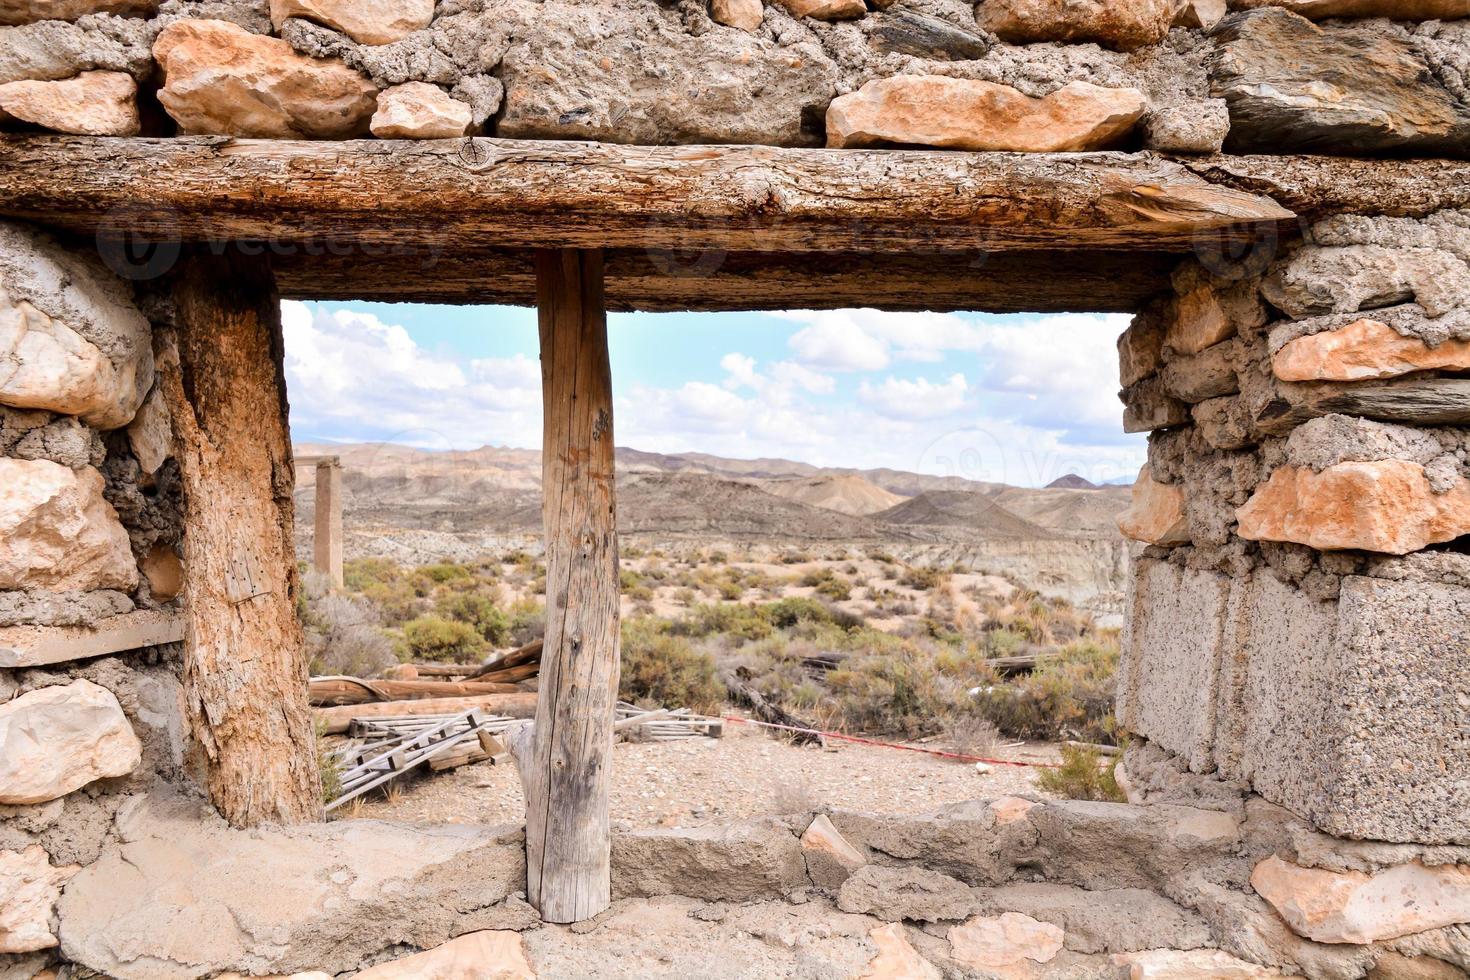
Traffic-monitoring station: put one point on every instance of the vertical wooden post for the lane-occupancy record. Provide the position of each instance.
(326, 542)
(571, 743)
(244, 658)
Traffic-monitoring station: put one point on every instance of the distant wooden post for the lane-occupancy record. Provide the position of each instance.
(244, 658)
(326, 541)
(566, 768)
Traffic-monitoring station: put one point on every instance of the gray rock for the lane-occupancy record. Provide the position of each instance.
(482, 93)
(1348, 278)
(61, 608)
(740, 862)
(900, 31)
(1114, 920)
(42, 435)
(1208, 374)
(1193, 127)
(1383, 96)
(180, 895)
(962, 841)
(1334, 439)
(898, 894)
(55, 49)
(624, 74)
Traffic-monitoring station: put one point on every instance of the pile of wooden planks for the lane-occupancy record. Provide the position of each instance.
(388, 748)
(664, 725)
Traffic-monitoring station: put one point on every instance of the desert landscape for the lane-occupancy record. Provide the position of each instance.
(873, 603)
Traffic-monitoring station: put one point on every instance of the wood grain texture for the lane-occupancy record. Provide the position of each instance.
(566, 770)
(506, 193)
(1413, 401)
(335, 721)
(330, 690)
(244, 655)
(661, 280)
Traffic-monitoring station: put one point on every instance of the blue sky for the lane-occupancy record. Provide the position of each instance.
(1018, 399)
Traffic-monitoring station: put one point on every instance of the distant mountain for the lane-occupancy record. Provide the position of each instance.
(1071, 482)
(842, 493)
(973, 511)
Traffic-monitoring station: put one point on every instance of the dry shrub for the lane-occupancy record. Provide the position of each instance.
(971, 734)
(1083, 775)
(1068, 696)
(344, 636)
(665, 670)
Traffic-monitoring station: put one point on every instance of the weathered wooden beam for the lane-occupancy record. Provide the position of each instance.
(566, 768)
(508, 193)
(335, 721)
(659, 280)
(1315, 186)
(244, 654)
(323, 691)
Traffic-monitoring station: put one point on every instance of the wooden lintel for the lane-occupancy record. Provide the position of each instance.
(660, 281)
(479, 193)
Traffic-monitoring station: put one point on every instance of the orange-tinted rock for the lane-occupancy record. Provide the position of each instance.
(94, 103)
(365, 21)
(1121, 24)
(1395, 9)
(747, 15)
(1203, 14)
(1385, 506)
(488, 955)
(826, 9)
(1354, 907)
(164, 571)
(896, 959)
(1010, 809)
(221, 79)
(1156, 514)
(963, 114)
(1005, 945)
(419, 111)
(1364, 350)
(830, 858)
(1193, 964)
(1199, 322)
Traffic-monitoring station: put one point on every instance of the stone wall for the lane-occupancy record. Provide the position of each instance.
(1300, 618)
(1031, 75)
(89, 577)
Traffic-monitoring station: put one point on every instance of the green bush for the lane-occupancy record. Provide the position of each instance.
(742, 623)
(442, 572)
(480, 610)
(786, 613)
(1083, 775)
(436, 639)
(663, 669)
(359, 573)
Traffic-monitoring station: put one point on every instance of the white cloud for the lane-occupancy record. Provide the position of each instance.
(352, 377)
(839, 344)
(900, 398)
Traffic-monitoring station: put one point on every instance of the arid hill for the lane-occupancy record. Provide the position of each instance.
(844, 493)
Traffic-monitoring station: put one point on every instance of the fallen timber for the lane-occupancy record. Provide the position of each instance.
(337, 720)
(322, 691)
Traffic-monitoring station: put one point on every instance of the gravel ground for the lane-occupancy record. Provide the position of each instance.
(703, 780)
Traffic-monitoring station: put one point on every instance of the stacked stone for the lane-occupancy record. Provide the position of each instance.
(1019, 75)
(1299, 619)
(88, 567)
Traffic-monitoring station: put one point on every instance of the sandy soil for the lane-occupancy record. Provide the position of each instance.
(702, 780)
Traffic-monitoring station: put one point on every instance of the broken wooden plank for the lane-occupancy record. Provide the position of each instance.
(336, 721)
(544, 194)
(34, 646)
(521, 656)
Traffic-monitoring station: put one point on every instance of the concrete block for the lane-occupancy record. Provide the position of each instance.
(1175, 635)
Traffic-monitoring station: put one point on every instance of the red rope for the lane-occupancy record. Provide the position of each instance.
(890, 745)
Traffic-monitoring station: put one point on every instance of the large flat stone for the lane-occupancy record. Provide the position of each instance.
(71, 339)
(94, 103)
(1174, 638)
(1395, 9)
(33, 646)
(29, 11)
(740, 862)
(179, 895)
(491, 954)
(221, 79)
(57, 531)
(965, 114)
(1387, 506)
(365, 21)
(1365, 350)
(1293, 86)
(1355, 907)
(59, 739)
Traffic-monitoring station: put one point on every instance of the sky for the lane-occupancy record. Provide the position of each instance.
(1019, 399)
